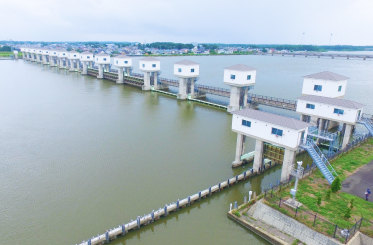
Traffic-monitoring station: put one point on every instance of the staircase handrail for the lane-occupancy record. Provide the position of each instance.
(314, 131)
(311, 143)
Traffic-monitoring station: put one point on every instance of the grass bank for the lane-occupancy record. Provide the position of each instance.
(7, 54)
(335, 208)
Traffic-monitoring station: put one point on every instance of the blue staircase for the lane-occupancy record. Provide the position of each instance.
(367, 122)
(320, 160)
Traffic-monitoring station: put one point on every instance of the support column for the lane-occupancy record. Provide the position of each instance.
(155, 75)
(77, 65)
(192, 85)
(85, 71)
(146, 85)
(258, 157)
(245, 97)
(120, 75)
(107, 67)
(347, 135)
(234, 100)
(182, 95)
(71, 65)
(128, 71)
(100, 71)
(289, 158)
(239, 149)
(91, 64)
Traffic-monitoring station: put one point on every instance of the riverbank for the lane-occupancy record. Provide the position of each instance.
(320, 213)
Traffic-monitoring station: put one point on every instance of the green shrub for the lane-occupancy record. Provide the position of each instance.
(328, 193)
(352, 203)
(348, 213)
(237, 213)
(319, 201)
(336, 185)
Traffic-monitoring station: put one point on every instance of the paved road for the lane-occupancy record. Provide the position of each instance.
(358, 183)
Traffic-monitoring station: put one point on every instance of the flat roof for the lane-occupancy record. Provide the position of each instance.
(240, 67)
(102, 54)
(327, 75)
(150, 59)
(275, 119)
(122, 56)
(332, 101)
(186, 62)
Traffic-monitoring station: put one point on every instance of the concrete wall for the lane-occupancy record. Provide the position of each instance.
(86, 57)
(74, 55)
(62, 54)
(186, 70)
(329, 88)
(121, 62)
(147, 66)
(327, 112)
(241, 78)
(105, 60)
(263, 131)
(360, 239)
(290, 226)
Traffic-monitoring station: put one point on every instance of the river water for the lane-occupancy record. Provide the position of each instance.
(80, 155)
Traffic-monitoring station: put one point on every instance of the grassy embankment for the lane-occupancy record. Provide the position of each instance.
(335, 208)
(7, 54)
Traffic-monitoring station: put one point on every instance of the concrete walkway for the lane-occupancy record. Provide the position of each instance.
(358, 183)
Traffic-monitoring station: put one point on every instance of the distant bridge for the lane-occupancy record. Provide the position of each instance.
(318, 55)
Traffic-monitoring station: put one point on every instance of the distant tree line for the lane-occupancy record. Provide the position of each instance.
(5, 49)
(166, 45)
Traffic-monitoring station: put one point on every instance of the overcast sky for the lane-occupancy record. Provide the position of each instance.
(201, 21)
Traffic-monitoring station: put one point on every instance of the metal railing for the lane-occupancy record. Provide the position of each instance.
(272, 101)
(213, 90)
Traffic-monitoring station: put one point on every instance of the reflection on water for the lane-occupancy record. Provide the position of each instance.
(80, 155)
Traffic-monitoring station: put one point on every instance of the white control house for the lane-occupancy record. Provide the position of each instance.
(239, 78)
(271, 128)
(149, 65)
(186, 71)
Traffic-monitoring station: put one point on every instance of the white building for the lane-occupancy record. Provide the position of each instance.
(102, 59)
(239, 78)
(149, 65)
(122, 61)
(326, 84)
(62, 57)
(271, 128)
(45, 56)
(87, 59)
(73, 56)
(187, 71)
(330, 109)
(53, 54)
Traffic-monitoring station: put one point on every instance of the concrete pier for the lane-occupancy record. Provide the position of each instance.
(182, 95)
(258, 158)
(100, 71)
(154, 215)
(239, 150)
(289, 159)
(85, 70)
(146, 85)
(347, 135)
(120, 75)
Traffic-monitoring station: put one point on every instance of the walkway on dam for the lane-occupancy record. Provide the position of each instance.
(138, 80)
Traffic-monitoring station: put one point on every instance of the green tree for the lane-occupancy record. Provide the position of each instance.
(6, 49)
(69, 49)
(352, 203)
(336, 185)
(264, 50)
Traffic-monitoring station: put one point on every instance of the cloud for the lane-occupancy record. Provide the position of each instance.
(235, 21)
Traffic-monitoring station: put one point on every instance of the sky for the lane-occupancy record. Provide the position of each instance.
(201, 21)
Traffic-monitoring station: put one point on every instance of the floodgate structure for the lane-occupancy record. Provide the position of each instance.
(321, 106)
